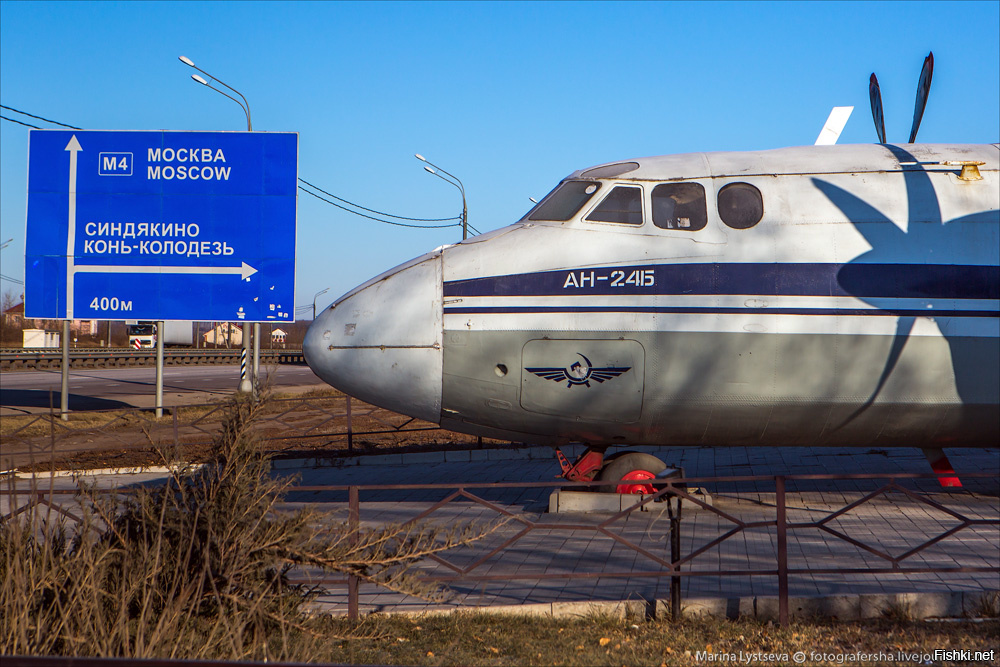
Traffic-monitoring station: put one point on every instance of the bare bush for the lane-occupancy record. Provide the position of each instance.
(194, 568)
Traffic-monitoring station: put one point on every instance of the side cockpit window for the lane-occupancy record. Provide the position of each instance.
(623, 205)
(565, 201)
(680, 206)
(740, 205)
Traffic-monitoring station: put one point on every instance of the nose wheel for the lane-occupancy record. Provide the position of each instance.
(630, 472)
(626, 472)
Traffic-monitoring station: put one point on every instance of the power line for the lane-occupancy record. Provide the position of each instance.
(388, 222)
(20, 123)
(388, 215)
(13, 280)
(25, 113)
(302, 180)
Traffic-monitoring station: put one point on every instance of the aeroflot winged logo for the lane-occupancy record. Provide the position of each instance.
(579, 373)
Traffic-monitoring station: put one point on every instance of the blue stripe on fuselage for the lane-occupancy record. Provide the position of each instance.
(896, 281)
(854, 312)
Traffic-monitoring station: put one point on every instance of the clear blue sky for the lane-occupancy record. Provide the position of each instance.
(511, 97)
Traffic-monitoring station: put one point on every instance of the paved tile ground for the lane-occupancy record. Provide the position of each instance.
(533, 568)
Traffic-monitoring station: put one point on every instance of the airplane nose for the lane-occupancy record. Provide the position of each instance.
(381, 343)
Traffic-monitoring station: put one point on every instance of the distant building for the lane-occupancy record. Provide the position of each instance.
(14, 316)
(224, 334)
(84, 327)
(278, 337)
(40, 338)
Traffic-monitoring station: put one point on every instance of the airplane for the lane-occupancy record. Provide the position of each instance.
(826, 295)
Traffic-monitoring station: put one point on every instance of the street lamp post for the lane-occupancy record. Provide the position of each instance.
(244, 104)
(246, 385)
(454, 180)
(316, 297)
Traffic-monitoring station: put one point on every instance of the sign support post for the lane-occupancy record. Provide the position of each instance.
(160, 331)
(256, 358)
(64, 398)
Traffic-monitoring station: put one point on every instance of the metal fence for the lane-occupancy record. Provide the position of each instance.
(865, 532)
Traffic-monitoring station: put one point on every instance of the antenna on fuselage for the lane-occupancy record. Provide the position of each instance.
(923, 90)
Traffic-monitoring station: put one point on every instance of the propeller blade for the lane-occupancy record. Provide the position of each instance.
(923, 89)
(876, 97)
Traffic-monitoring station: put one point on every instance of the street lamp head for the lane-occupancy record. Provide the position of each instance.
(186, 61)
(200, 80)
(420, 157)
(430, 171)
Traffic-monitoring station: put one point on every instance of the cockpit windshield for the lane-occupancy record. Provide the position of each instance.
(565, 201)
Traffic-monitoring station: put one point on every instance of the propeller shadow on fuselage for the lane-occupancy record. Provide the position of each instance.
(928, 241)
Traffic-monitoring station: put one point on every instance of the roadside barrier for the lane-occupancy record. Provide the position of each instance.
(102, 357)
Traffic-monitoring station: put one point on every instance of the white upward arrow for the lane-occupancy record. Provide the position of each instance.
(244, 271)
(73, 147)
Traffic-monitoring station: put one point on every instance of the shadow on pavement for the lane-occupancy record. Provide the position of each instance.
(42, 398)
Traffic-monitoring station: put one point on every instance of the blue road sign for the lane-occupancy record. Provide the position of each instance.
(161, 225)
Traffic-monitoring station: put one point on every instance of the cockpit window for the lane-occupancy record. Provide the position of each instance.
(740, 205)
(565, 201)
(623, 205)
(680, 206)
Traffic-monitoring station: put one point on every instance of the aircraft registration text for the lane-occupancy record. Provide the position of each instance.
(637, 278)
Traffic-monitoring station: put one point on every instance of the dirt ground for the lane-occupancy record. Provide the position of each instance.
(318, 424)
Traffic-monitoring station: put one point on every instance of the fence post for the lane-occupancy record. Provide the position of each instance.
(350, 429)
(675, 555)
(782, 524)
(353, 524)
(177, 441)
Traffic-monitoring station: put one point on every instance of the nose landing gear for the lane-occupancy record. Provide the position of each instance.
(626, 472)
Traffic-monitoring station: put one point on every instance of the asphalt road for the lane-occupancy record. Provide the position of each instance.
(108, 388)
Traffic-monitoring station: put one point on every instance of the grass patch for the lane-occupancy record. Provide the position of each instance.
(486, 639)
(319, 392)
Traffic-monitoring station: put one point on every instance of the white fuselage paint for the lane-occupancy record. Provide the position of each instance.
(863, 307)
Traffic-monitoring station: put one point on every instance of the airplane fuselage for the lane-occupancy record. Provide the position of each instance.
(831, 295)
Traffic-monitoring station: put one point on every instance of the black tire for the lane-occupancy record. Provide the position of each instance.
(622, 464)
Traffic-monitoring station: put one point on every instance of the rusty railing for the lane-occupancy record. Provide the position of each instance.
(786, 527)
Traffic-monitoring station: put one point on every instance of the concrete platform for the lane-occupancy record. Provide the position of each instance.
(562, 501)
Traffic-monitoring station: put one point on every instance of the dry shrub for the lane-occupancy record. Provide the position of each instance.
(194, 568)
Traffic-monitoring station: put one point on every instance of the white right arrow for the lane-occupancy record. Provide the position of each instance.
(244, 271)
